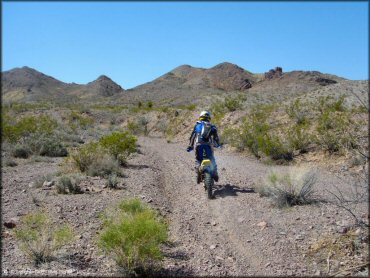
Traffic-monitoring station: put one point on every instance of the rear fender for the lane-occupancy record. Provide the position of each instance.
(207, 166)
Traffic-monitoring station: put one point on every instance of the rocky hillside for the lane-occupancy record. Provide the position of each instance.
(29, 85)
(183, 85)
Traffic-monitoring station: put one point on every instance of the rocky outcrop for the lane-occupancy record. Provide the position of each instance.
(325, 81)
(274, 73)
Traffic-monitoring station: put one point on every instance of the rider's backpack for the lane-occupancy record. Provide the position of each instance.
(203, 130)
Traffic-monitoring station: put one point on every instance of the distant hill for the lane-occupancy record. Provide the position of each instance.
(27, 84)
(182, 86)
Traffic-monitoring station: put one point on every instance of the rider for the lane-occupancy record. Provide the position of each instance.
(204, 135)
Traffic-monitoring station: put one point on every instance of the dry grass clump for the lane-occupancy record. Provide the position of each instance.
(290, 189)
(40, 238)
(69, 184)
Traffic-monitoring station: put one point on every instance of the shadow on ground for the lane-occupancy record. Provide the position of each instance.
(230, 190)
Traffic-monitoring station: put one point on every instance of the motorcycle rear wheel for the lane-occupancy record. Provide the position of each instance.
(208, 182)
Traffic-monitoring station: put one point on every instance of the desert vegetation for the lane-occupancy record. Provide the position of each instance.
(40, 238)
(132, 234)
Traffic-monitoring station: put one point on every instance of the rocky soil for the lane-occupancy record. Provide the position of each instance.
(238, 233)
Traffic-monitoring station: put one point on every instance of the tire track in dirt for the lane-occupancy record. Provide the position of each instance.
(238, 233)
(200, 227)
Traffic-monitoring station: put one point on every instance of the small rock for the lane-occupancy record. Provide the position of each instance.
(213, 223)
(6, 234)
(357, 232)
(267, 265)
(342, 230)
(248, 240)
(299, 237)
(219, 258)
(48, 183)
(31, 184)
(10, 224)
(240, 219)
(298, 218)
(262, 224)
(212, 247)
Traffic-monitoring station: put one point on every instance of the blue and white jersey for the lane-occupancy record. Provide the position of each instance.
(204, 133)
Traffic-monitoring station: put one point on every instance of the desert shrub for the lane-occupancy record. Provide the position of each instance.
(40, 238)
(79, 120)
(38, 182)
(132, 234)
(86, 154)
(298, 112)
(229, 104)
(299, 137)
(21, 151)
(119, 144)
(104, 167)
(331, 104)
(149, 104)
(274, 147)
(232, 137)
(234, 103)
(191, 107)
(112, 181)
(138, 126)
(288, 189)
(334, 131)
(46, 145)
(69, 184)
(13, 130)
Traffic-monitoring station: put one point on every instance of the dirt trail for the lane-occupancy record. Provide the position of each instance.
(222, 236)
(236, 234)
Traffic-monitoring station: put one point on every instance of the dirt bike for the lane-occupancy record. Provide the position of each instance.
(206, 175)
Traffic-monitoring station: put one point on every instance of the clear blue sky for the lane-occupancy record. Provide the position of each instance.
(134, 43)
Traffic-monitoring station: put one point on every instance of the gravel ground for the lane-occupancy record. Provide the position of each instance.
(238, 233)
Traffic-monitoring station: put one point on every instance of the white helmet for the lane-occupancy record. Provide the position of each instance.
(205, 115)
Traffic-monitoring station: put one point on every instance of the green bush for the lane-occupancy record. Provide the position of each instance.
(331, 104)
(78, 120)
(299, 137)
(13, 130)
(86, 154)
(290, 189)
(298, 112)
(133, 234)
(69, 185)
(234, 103)
(46, 145)
(40, 238)
(138, 126)
(149, 104)
(334, 131)
(119, 144)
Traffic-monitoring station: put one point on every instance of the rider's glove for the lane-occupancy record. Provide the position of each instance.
(189, 149)
(219, 146)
